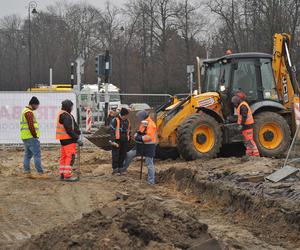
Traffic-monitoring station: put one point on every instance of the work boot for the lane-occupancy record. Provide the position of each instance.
(62, 177)
(123, 171)
(27, 174)
(72, 179)
(40, 176)
(116, 171)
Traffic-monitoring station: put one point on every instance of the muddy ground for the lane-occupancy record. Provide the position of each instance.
(221, 203)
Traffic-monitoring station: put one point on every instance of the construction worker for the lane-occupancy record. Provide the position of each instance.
(120, 137)
(245, 124)
(67, 132)
(111, 115)
(146, 141)
(30, 133)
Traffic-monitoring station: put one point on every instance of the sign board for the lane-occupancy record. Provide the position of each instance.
(12, 104)
(190, 69)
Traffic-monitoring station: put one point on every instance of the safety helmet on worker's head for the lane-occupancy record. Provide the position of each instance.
(145, 123)
(236, 100)
(241, 94)
(67, 105)
(142, 115)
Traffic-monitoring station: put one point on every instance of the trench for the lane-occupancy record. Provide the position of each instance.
(275, 221)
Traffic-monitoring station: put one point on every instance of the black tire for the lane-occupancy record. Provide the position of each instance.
(264, 118)
(166, 153)
(185, 133)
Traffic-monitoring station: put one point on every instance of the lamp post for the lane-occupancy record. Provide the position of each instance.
(31, 10)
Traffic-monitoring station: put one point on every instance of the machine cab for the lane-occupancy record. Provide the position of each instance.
(251, 73)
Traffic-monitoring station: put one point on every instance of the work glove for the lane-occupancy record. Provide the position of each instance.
(80, 143)
(114, 144)
(140, 133)
(138, 137)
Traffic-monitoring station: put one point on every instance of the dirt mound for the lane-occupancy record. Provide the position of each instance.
(148, 224)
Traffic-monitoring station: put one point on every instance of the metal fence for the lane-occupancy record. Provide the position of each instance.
(152, 100)
(133, 101)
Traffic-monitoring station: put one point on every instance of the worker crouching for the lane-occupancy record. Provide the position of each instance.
(67, 132)
(146, 141)
(245, 124)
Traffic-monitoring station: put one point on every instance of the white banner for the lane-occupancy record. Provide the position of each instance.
(12, 104)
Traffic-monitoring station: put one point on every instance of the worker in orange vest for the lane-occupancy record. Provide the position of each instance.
(245, 124)
(146, 141)
(67, 132)
(120, 137)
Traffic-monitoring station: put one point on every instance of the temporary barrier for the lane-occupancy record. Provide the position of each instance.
(12, 104)
(89, 118)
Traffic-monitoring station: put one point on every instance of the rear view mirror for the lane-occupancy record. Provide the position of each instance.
(202, 71)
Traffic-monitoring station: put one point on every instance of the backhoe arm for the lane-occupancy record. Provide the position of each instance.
(284, 70)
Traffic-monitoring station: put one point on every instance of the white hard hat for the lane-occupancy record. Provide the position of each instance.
(145, 123)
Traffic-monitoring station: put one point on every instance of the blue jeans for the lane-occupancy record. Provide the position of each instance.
(149, 163)
(32, 149)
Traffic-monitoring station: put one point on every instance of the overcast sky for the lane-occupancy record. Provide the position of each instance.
(8, 7)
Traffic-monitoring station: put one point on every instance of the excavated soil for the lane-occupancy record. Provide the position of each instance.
(146, 224)
(213, 204)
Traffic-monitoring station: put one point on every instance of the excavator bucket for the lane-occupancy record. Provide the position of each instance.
(101, 137)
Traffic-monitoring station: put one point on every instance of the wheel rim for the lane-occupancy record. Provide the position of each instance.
(270, 135)
(203, 139)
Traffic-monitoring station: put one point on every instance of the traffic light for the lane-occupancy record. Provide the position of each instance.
(97, 65)
(103, 64)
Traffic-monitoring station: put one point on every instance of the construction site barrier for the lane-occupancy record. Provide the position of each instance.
(12, 104)
(90, 118)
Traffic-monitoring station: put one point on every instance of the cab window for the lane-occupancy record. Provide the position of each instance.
(225, 75)
(268, 81)
(244, 78)
(212, 75)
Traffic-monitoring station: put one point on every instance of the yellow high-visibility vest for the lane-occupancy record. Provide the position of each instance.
(24, 128)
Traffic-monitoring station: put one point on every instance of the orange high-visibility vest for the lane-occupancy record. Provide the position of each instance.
(118, 129)
(250, 119)
(151, 132)
(61, 133)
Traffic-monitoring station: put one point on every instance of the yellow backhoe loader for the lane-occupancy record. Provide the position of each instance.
(198, 125)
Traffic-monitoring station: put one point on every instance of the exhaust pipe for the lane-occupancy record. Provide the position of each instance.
(199, 64)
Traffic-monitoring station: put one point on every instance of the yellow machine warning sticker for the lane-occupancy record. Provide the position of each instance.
(206, 102)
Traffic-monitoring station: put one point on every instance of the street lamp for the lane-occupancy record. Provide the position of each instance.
(31, 10)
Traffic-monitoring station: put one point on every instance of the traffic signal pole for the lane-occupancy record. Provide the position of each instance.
(103, 65)
(106, 81)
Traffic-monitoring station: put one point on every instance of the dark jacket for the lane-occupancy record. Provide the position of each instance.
(124, 127)
(244, 113)
(66, 120)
